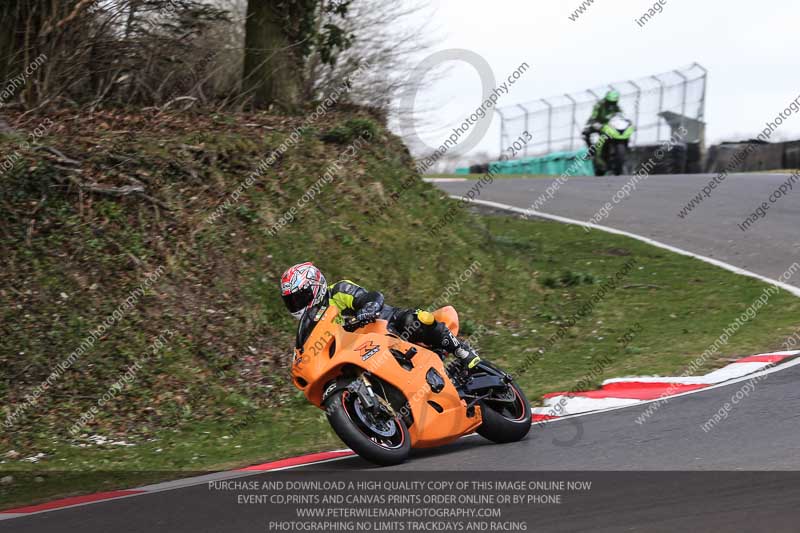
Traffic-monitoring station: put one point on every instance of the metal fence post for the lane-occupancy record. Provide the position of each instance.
(502, 128)
(683, 95)
(639, 92)
(637, 106)
(701, 113)
(572, 123)
(549, 124)
(595, 95)
(527, 125)
(660, 105)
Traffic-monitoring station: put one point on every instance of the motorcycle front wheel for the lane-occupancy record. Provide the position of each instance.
(382, 441)
(620, 151)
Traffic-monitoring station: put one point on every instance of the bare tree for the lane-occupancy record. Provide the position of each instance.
(386, 38)
(102, 50)
(158, 52)
(390, 38)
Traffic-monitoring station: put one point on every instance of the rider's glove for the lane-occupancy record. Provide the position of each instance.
(369, 313)
(468, 356)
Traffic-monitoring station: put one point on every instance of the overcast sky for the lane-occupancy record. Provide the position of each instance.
(749, 48)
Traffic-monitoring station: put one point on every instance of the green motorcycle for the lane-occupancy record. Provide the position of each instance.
(608, 144)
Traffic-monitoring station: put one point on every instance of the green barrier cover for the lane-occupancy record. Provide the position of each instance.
(574, 163)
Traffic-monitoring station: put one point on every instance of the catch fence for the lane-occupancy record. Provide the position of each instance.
(657, 104)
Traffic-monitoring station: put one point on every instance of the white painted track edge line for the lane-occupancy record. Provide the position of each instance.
(190, 482)
(773, 369)
(716, 262)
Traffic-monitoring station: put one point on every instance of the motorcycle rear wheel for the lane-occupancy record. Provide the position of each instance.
(383, 442)
(506, 421)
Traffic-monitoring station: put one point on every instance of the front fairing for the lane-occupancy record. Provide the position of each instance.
(307, 324)
(618, 128)
(618, 135)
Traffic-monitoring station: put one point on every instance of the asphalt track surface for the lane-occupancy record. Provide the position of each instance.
(666, 474)
(759, 433)
(768, 247)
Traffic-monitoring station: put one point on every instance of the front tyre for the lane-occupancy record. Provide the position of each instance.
(507, 417)
(620, 152)
(381, 441)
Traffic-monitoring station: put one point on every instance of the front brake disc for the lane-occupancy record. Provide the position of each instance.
(383, 428)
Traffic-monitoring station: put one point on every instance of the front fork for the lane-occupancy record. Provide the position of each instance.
(362, 387)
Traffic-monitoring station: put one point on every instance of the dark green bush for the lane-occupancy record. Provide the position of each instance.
(348, 131)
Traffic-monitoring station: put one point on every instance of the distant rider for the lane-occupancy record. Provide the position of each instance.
(605, 109)
(307, 296)
(601, 115)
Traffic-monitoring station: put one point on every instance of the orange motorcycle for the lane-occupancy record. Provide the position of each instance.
(383, 395)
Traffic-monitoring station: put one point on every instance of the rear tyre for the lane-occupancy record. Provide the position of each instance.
(508, 420)
(383, 442)
(599, 168)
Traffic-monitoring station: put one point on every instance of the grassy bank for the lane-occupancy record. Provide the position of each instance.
(216, 392)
